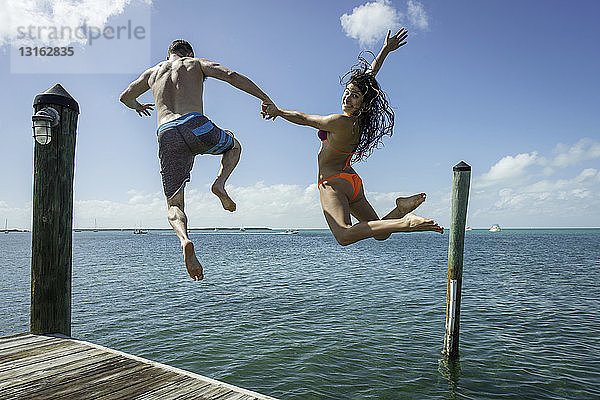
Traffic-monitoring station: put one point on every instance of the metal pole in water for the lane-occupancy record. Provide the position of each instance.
(54, 130)
(460, 196)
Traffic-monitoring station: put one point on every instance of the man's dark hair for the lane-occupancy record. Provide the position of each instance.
(181, 47)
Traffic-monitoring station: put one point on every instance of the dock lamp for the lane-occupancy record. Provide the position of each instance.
(52, 222)
(43, 122)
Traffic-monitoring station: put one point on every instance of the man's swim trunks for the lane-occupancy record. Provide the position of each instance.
(182, 139)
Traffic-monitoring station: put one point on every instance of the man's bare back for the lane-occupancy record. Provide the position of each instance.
(177, 87)
(178, 83)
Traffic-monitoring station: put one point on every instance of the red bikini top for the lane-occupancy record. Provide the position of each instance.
(323, 136)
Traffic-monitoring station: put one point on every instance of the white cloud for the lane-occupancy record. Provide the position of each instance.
(529, 189)
(17, 16)
(588, 175)
(141, 198)
(584, 149)
(15, 217)
(417, 15)
(517, 168)
(369, 22)
(508, 168)
(276, 206)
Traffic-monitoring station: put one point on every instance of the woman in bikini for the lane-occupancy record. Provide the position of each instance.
(348, 137)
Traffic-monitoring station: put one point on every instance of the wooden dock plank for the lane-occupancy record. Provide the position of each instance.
(50, 357)
(241, 396)
(59, 368)
(26, 350)
(43, 372)
(17, 336)
(17, 347)
(182, 390)
(253, 395)
(151, 379)
(214, 393)
(165, 391)
(40, 380)
(94, 385)
(235, 396)
(23, 340)
(77, 370)
(52, 367)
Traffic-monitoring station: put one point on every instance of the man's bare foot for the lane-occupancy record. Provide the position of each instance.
(404, 205)
(219, 190)
(420, 224)
(192, 264)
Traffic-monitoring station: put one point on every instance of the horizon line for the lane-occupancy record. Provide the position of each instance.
(232, 228)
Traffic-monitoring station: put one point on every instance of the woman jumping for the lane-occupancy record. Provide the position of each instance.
(349, 137)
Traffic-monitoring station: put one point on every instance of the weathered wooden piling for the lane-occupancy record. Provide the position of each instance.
(51, 239)
(458, 217)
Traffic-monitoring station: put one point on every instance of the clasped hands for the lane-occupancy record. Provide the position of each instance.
(269, 110)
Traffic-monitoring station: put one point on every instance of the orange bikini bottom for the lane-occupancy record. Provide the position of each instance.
(354, 180)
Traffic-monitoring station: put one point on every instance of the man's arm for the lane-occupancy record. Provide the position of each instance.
(135, 90)
(217, 71)
(390, 44)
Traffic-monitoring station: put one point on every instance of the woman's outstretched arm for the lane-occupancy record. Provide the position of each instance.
(391, 43)
(332, 122)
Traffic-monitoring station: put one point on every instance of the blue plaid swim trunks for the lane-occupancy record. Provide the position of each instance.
(180, 140)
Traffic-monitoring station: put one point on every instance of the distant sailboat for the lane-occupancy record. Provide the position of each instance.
(495, 228)
(6, 225)
(139, 231)
(95, 225)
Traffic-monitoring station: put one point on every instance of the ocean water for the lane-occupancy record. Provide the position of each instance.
(300, 317)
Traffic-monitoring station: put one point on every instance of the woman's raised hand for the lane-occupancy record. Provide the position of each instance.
(394, 42)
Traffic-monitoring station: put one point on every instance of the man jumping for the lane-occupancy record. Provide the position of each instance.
(183, 131)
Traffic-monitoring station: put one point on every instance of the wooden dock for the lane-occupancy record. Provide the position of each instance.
(56, 367)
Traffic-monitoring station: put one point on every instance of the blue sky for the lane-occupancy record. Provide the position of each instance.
(511, 88)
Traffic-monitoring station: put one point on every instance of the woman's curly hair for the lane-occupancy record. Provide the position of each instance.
(375, 118)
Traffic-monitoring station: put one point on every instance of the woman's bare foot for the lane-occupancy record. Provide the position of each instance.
(219, 190)
(192, 264)
(420, 224)
(404, 205)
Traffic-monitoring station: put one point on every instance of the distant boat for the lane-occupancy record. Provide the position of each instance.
(139, 231)
(6, 225)
(95, 225)
(242, 229)
(468, 228)
(215, 229)
(495, 228)
(291, 232)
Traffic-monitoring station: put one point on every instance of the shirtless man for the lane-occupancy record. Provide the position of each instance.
(183, 130)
